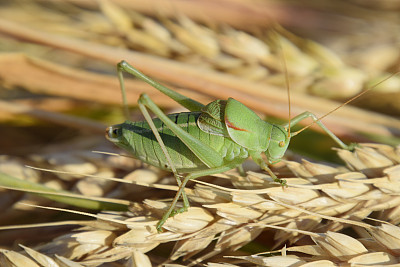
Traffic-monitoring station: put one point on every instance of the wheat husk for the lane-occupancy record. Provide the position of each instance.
(294, 212)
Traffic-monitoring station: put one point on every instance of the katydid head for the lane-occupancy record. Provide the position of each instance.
(279, 142)
(116, 135)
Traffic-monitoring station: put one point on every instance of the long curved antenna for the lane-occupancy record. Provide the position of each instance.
(345, 103)
(285, 70)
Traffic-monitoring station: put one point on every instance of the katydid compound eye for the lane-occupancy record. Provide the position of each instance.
(112, 132)
(282, 143)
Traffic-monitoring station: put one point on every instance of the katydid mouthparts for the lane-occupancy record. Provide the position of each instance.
(209, 139)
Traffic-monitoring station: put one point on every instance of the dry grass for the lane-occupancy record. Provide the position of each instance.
(328, 215)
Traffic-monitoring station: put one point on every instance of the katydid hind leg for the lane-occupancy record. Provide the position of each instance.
(186, 102)
(171, 210)
(147, 117)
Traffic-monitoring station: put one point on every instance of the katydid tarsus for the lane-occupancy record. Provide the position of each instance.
(209, 139)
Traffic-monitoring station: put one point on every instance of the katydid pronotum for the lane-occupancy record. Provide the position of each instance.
(209, 139)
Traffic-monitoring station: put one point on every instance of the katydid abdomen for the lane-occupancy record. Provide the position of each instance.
(138, 139)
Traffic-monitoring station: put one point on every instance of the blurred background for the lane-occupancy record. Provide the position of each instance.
(59, 57)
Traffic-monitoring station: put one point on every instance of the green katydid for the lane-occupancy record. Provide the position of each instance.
(209, 139)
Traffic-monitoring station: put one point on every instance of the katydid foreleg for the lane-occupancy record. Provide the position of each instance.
(316, 120)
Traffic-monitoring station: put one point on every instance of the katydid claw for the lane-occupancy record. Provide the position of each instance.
(177, 211)
(159, 227)
(352, 146)
(172, 214)
(282, 182)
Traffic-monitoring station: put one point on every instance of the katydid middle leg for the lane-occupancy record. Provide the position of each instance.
(308, 114)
